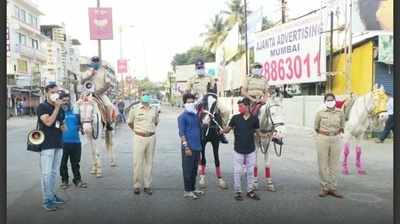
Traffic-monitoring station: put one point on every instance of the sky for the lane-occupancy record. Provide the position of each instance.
(161, 28)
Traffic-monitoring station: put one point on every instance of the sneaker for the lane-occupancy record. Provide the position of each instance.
(191, 195)
(378, 141)
(58, 200)
(223, 139)
(238, 196)
(148, 191)
(198, 192)
(49, 206)
(253, 195)
(64, 185)
(80, 184)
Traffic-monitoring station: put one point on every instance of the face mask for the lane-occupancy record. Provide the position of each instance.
(256, 71)
(95, 66)
(54, 97)
(330, 104)
(200, 71)
(189, 107)
(66, 107)
(242, 109)
(146, 99)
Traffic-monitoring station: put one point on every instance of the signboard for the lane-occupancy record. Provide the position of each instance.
(231, 43)
(122, 66)
(254, 24)
(385, 51)
(100, 23)
(293, 52)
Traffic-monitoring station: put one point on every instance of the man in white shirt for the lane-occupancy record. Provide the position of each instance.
(389, 126)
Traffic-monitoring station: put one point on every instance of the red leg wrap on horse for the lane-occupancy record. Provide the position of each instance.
(202, 170)
(267, 172)
(218, 172)
(255, 171)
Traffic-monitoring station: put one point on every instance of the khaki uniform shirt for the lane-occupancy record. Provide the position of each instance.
(198, 85)
(256, 86)
(144, 121)
(329, 120)
(99, 79)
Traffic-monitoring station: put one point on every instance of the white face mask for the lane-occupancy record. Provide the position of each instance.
(256, 71)
(330, 104)
(54, 97)
(189, 107)
(200, 71)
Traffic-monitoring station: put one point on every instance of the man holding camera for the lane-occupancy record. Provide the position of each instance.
(50, 119)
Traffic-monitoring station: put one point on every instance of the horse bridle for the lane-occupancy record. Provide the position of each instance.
(271, 130)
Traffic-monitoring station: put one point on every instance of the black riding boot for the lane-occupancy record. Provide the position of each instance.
(108, 126)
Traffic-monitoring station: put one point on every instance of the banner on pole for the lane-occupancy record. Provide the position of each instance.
(100, 23)
(122, 66)
(293, 52)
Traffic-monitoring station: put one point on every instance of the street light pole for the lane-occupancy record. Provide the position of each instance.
(99, 41)
(245, 36)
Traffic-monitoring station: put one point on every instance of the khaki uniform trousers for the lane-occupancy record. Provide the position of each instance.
(328, 150)
(143, 152)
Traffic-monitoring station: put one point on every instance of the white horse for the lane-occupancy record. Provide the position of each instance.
(91, 119)
(272, 127)
(365, 110)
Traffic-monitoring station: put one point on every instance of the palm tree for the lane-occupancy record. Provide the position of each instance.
(235, 14)
(216, 33)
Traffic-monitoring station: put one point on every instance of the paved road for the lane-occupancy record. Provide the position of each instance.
(110, 199)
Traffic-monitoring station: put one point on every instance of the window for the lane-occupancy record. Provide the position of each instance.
(22, 66)
(30, 19)
(23, 15)
(16, 12)
(21, 39)
(35, 44)
(35, 21)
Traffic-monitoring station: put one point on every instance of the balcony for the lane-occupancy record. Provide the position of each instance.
(32, 53)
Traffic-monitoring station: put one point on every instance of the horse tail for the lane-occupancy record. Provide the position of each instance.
(108, 139)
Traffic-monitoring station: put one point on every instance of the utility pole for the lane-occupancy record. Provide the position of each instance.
(120, 57)
(331, 55)
(349, 48)
(245, 36)
(283, 3)
(99, 41)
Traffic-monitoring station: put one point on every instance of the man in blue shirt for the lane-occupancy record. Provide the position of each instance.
(190, 134)
(72, 146)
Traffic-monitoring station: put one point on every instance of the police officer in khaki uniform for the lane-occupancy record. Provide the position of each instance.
(329, 125)
(201, 84)
(143, 120)
(102, 82)
(255, 87)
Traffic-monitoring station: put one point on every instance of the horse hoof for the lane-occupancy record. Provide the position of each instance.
(113, 164)
(222, 184)
(255, 185)
(99, 175)
(345, 171)
(202, 181)
(362, 172)
(271, 188)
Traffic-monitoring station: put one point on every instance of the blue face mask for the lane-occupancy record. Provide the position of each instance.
(146, 99)
(95, 66)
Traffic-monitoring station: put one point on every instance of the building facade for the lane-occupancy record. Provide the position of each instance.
(25, 55)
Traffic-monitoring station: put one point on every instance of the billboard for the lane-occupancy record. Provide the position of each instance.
(294, 52)
(122, 66)
(100, 23)
(231, 42)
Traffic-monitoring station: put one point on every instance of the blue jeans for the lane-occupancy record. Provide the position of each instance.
(389, 126)
(50, 160)
(189, 167)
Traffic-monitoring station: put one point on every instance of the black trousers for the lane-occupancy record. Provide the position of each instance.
(189, 167)
(389, 126)
(71, 151)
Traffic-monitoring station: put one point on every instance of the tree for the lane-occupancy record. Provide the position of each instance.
(235, 14)
(216, 33)
(266, 23)
(192, 55)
